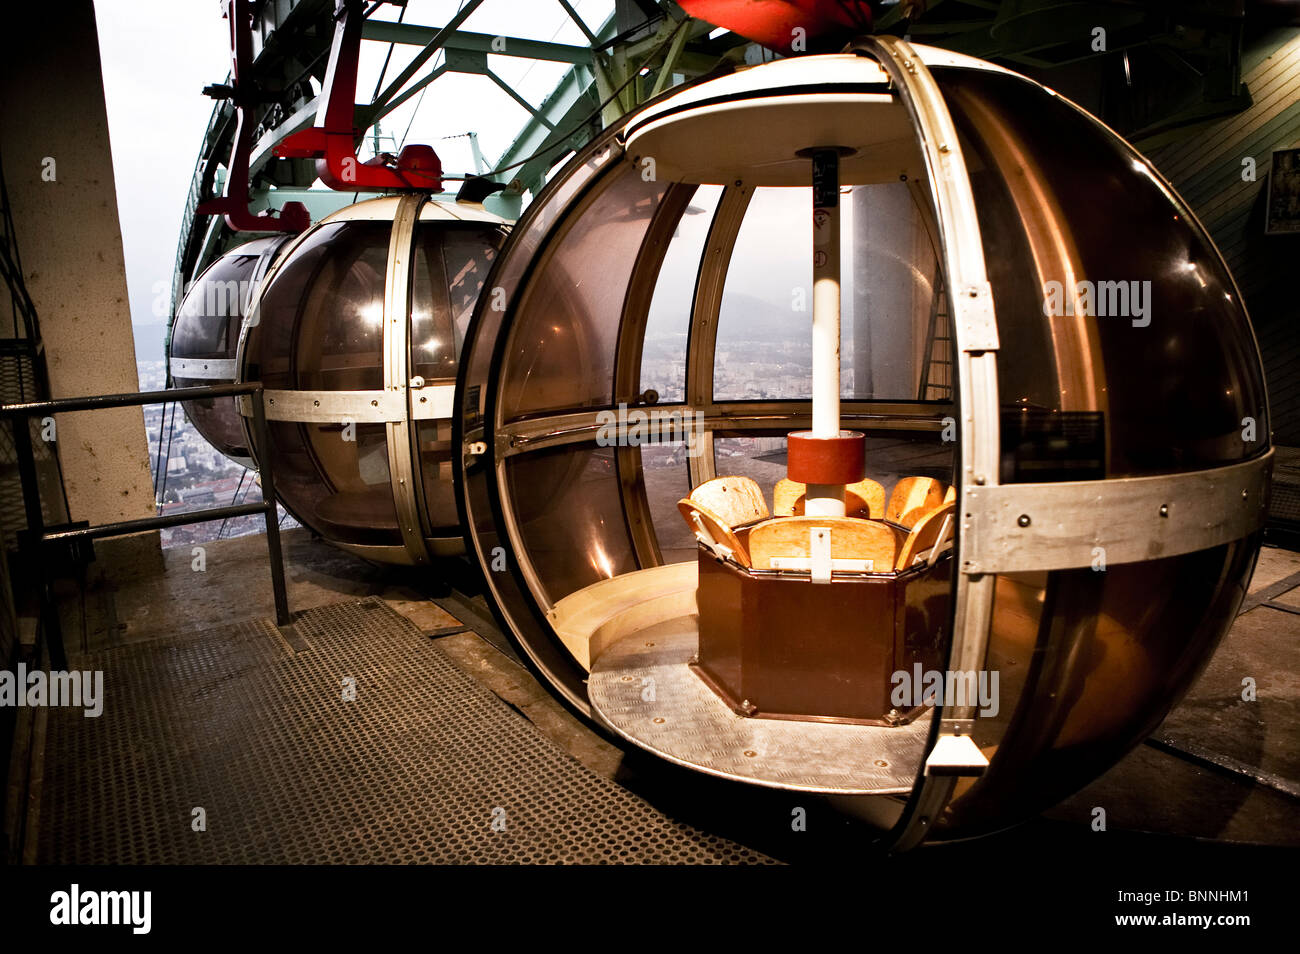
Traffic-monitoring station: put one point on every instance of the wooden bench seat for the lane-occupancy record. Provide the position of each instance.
(595, 617)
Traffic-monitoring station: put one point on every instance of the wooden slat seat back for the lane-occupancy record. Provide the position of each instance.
(870, 496)
(736, 500)
(865, 499)
(925, 535)
(913, 498)
(787, 498)
(704, 523)
(851, 539)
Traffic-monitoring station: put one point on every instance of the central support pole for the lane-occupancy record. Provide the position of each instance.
(826, 458)
(826, 500)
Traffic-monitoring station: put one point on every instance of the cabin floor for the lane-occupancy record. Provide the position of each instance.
(450, 735)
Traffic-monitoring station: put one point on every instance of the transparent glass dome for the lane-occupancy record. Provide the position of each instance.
(205, 339)
(356, 339)
(1040, 349)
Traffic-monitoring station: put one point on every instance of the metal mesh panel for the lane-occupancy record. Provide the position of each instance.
(11, 491)
(288, 772)
(1284, 500)
(1284, 504)
(17, 383)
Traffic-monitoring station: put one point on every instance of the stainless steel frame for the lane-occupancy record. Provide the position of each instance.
(975, 335)
(433, 402)
(397, 305)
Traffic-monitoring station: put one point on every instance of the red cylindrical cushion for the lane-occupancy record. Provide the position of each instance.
(827, 460)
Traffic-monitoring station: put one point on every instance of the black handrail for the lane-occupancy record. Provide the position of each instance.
(129, 399)
(38, 537)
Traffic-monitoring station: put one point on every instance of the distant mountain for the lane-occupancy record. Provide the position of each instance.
(746, 318)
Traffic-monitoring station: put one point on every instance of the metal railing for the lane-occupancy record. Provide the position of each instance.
(39, 537)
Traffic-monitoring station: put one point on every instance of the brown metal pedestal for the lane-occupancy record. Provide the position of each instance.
(782, 647)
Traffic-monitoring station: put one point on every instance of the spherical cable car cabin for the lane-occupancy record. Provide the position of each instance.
(205, 339)
(356, 336)
(736, 544)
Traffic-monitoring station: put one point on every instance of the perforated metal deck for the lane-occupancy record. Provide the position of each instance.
(416, 769)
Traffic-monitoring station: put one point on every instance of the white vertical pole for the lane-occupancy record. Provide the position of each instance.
(826, 500)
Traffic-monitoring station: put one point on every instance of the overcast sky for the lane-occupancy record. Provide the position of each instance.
(159, 54)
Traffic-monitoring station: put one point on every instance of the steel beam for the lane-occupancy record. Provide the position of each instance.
(573, 15)
(510, 91)
(368, 116)
(435, 42)
(539, 143)
(413, 34)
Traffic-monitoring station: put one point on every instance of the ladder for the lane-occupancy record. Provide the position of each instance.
(934, 340)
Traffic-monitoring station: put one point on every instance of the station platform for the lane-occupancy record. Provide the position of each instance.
(419, 762)
(214, 707)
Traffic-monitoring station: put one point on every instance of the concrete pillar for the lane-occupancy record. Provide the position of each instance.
(53, 123)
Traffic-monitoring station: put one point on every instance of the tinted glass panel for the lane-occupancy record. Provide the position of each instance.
(207, 325)
(888, 275)
(569, 512)
(451, 264)
(1089, 663)
(321, 318)
(1117, 320)
(338, 487)
(217, 419)
(895, 336)
(525, 238)
(764, 343)
(208, 320)
(561, 351)
(667, 480)
(663, 356)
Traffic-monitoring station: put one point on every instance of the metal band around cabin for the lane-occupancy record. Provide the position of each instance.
(204, 369)
(1056, 526)
(666, 423)
(329, 407)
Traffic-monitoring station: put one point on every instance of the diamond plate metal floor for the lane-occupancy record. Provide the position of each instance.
(416, 769)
